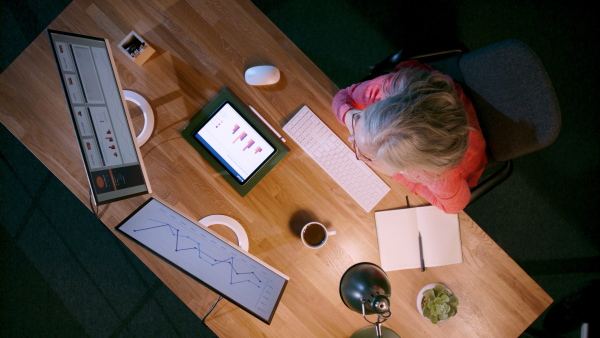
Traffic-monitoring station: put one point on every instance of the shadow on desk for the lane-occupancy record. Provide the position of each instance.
(300, 218)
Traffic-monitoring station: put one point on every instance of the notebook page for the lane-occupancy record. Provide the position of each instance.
(440, 233)
(398, 238)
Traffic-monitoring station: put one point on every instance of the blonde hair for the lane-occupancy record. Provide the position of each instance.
(420, 125)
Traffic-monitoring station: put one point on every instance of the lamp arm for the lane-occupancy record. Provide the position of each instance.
(380, 318)
(378, 330)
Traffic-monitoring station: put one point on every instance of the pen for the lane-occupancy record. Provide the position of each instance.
(421, 253)
(267, 123)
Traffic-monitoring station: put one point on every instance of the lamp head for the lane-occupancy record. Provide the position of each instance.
(366, 283)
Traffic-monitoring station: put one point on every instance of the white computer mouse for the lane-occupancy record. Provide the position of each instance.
(262, 75)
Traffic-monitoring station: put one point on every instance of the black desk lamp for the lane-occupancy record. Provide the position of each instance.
(366, 289)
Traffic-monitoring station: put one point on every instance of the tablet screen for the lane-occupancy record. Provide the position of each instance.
(232, 141)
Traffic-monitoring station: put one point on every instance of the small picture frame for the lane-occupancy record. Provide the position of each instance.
(136, 48)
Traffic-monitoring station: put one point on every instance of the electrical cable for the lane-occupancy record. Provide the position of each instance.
(211, 309)
(94, 210)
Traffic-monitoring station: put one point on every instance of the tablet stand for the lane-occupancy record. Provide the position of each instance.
(148, 115)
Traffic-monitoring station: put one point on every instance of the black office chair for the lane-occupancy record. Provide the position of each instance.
(512, 95)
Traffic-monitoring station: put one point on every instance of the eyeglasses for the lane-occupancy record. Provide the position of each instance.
(359, 155)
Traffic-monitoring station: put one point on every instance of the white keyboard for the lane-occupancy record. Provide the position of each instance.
(339, 161)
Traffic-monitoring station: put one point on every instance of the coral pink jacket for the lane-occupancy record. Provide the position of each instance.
(451, 192)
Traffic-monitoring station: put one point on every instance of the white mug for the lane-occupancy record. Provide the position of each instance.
(314, 235)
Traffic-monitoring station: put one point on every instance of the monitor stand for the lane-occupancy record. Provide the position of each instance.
(232, 224)
(240, 233)
(148, 115)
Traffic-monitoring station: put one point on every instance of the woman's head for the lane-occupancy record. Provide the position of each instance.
(420, 125)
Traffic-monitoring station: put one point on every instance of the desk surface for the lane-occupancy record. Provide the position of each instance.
(203, 46)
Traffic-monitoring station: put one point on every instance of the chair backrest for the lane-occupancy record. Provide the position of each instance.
(515, 102)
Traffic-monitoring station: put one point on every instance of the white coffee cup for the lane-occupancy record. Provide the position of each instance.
(314, 235)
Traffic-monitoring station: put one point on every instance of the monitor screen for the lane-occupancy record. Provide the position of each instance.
(102, 126)
(236, 144)
(234, 273)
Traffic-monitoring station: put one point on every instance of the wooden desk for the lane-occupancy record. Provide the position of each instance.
(203, 46)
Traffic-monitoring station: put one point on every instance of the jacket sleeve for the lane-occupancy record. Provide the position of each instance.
(357, 96)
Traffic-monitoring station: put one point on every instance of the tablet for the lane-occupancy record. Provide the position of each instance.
(234, 141)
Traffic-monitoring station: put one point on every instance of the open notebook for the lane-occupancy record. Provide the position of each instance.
(398, 237)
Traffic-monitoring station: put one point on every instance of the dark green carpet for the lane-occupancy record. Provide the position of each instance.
(21, 22)
(64, 273)
(545, 216)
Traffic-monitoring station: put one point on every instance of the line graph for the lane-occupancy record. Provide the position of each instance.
(196, 246)
(232, 272)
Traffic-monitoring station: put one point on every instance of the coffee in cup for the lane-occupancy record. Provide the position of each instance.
(314, 235)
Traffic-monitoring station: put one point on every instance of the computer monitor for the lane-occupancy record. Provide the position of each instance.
(100, 118)
(240, 277)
